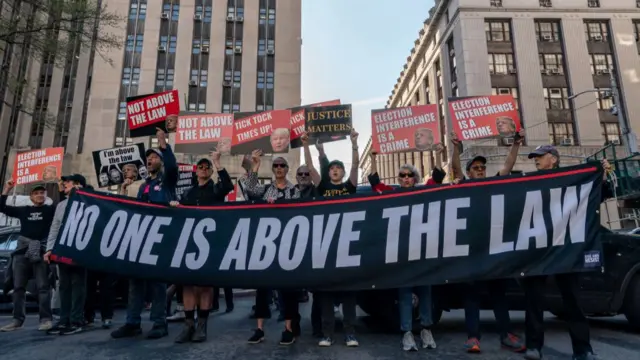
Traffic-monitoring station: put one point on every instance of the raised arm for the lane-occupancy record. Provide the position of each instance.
(510, 162)
(252, 186)
(10, 211)
(455, 158)
(355, 158)
(374, 163)
(224, 185)
(323, 160)
(169, 160)
(315, 177)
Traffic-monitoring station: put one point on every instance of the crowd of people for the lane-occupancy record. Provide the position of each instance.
(77, 287)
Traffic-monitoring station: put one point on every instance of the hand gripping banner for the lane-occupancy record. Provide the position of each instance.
(542, 223)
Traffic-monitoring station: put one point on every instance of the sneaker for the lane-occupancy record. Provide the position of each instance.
(351, 341)
(287, 338)
(472, 345)
(257, 337)
(587, 356)
(127, 330)
(45, 325)
(107, 323)
(73, 329)
(325, 342)
(158, 331)
(408, 342)
(57, 328)
(426, 337)
(178, 315)
(513, 342)
(14, 325)
(228, 309)
(532, 354)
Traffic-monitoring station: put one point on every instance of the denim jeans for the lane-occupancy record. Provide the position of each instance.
(73, 291)
(136, 301)
(405, 305)
(23, 270)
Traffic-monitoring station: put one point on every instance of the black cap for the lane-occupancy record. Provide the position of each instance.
(38, 188)
(154, 151)
(76, 178)
(543, 150)
(476, 158)
(337, 163)
(205, 161)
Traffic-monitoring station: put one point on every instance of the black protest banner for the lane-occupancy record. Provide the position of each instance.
(186, 178)
(328, 122)
(541, 223)
(113, 165)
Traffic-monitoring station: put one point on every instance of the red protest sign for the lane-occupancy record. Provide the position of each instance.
(412, 128)
(199, 133)
(267, 131)
(38, 165)
(233, 195)
(147, 113)
(298, 117)
(479, 117)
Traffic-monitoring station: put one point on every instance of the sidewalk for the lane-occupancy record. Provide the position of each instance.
(237, 293)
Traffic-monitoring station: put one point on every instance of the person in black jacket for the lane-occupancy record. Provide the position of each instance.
(206, 193)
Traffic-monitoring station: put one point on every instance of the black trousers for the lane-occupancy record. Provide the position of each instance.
(105, 285)
(316, 312)
(228, 297)
(290, 301)
(534, 290)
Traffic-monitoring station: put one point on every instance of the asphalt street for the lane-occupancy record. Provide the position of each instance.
(612, 339)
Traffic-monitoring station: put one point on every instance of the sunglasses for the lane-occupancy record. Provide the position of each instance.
(282, 166)
(303, 174)
(479, 168)
(203, 167)
(405, 175)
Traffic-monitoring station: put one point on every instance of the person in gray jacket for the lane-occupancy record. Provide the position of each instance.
(73, 279)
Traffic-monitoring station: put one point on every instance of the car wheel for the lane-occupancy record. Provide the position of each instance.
(631, 306)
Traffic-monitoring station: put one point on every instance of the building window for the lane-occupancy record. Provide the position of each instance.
(597, 30)
(496, 3)
(552, 63)
(611, 133)
(546, 3)
(170, 43)
(604, 99)
(154, 142)
(560, 132)
(174, 10)
(122, 112)
(197, 46)
(593, 3)
(547, 31)
(498, 31)
(500, 63)
(137, 11)
(197, 107)
(134, 43)
(235, 12)
(507, 91)
(199, 77)
(237, 79)
(265, 80)
(121, 141)
(601, 63)
(164, 78)
(204, 12)
(636, 27)
(556, 98)
(130, 76)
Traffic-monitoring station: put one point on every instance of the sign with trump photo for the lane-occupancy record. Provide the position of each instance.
(268, 131)
(479, 117)
(411, 128)
(115, 165)
(43, 165)
(199, 133)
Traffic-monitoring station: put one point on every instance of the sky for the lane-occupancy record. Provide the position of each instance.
(354, 51)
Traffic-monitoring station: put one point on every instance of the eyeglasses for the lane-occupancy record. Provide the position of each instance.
(479, 167)
(282, 166)
(405, 175)
(303, 174)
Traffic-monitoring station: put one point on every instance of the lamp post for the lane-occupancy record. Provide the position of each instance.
(628, 136)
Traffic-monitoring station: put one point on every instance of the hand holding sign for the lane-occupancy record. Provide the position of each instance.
(520, 137)
(255, 159)
(354, 137)
(8, 186)
(305, 139)
(162, 138)
(454, 139)
(126, 183)
(215, 158)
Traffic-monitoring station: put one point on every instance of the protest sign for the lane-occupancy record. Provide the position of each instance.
(508, 227)
(267, 131)
(411, 128)
(328, 122)
(114, 165)
(298, 117)
(199, 133)
(233, 195)
(145, 113)
(478, 117)
(38, 165)
(186, 179)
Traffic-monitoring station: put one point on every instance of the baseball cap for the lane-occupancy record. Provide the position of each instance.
(336, 163)
(76, 178)
(38, 188)
(476, 158)
(154, 151)
(204, 161)
(543, 150)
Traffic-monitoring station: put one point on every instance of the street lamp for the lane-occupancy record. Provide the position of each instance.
(628, 136)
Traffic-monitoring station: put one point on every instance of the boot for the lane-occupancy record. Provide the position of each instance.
(200, 333)
(187, 332)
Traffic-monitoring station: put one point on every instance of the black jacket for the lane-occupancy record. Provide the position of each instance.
(307, 192)
(209, 193)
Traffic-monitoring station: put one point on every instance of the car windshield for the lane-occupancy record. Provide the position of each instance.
(8, 242)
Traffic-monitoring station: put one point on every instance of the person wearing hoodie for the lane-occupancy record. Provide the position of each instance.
(159, 188)
(280, 189)
(205, 193)
(73, 279)
(409, 177)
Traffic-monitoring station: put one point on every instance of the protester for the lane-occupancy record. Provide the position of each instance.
(476, 169)
(336, 186)
(160, 188)
(228, 299)
(35, 221)
(546, 157)
(104, 283)
(178, 313)
(73, 279)
(438, 173)
(279, 189)
(205, 193)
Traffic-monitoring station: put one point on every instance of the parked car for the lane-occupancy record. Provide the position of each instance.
(8, 243)
(612, 291)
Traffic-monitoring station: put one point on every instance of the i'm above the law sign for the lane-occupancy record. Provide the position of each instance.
(542, 223)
